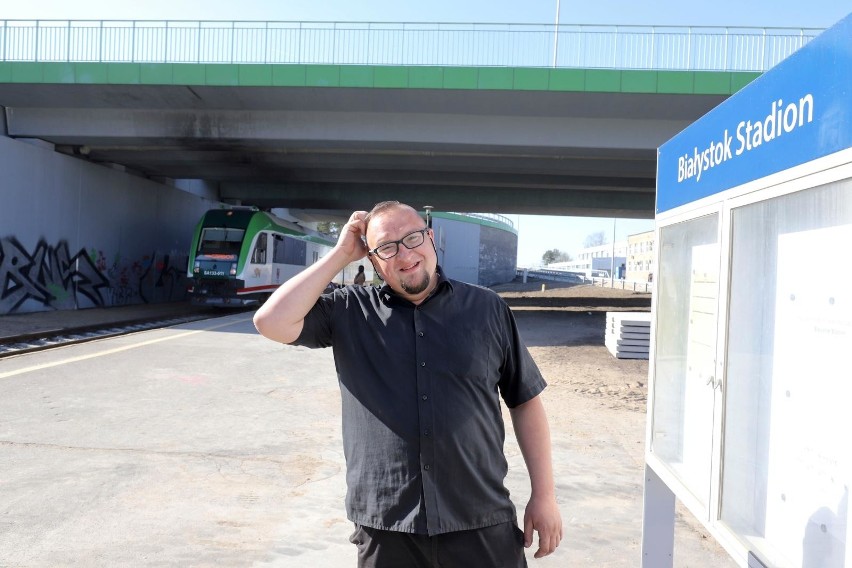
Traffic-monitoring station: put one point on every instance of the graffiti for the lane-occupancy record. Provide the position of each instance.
(123, 277)
(49, 277)
(169, 283)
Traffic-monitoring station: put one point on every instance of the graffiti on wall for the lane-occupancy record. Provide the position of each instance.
(50, 277)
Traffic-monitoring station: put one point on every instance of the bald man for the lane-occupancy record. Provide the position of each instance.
(423, 362)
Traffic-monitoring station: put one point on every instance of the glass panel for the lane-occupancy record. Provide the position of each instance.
(684, 366)
(258, 255)
(295, 251)
(786, 459)
(218, 241)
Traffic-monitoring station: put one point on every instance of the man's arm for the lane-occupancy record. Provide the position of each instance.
(282, 316)
(542, 513)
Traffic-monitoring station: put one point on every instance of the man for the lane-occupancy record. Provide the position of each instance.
(422, 363)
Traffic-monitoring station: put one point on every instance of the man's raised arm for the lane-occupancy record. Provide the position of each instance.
(281, 317)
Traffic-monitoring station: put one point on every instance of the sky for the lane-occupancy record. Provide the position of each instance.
(536, 234)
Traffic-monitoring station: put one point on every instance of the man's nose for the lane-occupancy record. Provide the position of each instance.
(405, 252)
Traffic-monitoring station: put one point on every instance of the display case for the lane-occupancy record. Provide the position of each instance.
(749, 393)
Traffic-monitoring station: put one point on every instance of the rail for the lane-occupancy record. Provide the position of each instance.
(493, 217)
(436, 44)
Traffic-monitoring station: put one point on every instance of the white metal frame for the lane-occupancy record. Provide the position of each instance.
(662, 484)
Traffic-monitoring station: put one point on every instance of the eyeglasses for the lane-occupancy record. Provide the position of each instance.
(410, 241)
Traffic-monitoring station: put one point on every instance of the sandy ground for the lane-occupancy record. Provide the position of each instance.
(563, 327)
(573, 363)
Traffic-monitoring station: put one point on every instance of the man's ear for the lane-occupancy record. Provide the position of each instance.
(376, 269)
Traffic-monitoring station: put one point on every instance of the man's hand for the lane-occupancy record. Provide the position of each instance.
(542, 515)
(282, 316)
(351, 240)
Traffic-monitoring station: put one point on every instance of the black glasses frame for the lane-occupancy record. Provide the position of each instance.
(375, 251)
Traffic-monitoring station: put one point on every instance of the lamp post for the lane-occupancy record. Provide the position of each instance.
(556, 36)
(612, 258)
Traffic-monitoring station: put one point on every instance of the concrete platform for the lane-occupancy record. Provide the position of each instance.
(205, 445)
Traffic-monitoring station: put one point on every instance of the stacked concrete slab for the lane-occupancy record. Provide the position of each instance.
(628, 334)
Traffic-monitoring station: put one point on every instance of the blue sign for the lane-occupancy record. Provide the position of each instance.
(796, 112)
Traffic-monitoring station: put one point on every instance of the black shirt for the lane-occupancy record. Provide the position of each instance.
(422, 426)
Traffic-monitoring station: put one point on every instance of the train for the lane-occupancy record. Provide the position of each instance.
(240, 255)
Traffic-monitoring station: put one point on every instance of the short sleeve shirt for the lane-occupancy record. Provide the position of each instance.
(421, 387)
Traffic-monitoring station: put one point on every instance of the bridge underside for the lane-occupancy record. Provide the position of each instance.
(339, 149)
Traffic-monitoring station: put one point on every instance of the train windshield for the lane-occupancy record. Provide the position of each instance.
(221, 241)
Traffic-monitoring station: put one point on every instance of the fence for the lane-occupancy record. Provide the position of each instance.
(544, 274)
(442, 44)
(622, 284)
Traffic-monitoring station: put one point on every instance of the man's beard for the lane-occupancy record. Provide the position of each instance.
(415, 288)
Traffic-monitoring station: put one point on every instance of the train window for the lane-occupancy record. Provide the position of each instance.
(220, 241)
(278, 249)
(295, 251)
(258, 255)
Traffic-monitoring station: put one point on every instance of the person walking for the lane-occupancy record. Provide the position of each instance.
(361, 277)
(423, 362)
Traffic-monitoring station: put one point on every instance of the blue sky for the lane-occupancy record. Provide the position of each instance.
(536, 233)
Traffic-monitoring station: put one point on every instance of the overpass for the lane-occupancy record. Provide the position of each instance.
(335, 117)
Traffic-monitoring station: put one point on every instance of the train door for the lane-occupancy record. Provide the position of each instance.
(259, 270)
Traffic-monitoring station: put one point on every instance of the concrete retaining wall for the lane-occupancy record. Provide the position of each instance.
(75, 234)
(473, 252)
(498, 255)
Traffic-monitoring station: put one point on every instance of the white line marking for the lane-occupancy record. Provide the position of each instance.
(115, 350)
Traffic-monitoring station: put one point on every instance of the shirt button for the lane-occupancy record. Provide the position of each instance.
(426, 432)
(425, 397)
(423, 364)
(420, 334)
(427, 467)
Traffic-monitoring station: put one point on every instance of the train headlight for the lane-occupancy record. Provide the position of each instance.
(233, 269)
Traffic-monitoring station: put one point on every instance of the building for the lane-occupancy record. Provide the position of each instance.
(636, 255)
(640, 256)
(595, 261)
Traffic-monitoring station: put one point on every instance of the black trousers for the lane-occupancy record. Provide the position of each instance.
(498, 546)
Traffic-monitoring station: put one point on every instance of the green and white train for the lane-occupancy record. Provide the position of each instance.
(240, 255)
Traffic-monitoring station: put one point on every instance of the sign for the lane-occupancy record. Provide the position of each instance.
(796, 112)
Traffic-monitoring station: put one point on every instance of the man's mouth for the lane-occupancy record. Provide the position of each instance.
(407, 269)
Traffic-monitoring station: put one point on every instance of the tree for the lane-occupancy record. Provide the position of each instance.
(329, 228)
(555, 255)
(594, 240)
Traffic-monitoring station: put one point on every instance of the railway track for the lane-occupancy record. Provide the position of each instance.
(28, 343)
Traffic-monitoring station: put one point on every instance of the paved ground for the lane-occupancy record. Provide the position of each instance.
(206, 445)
